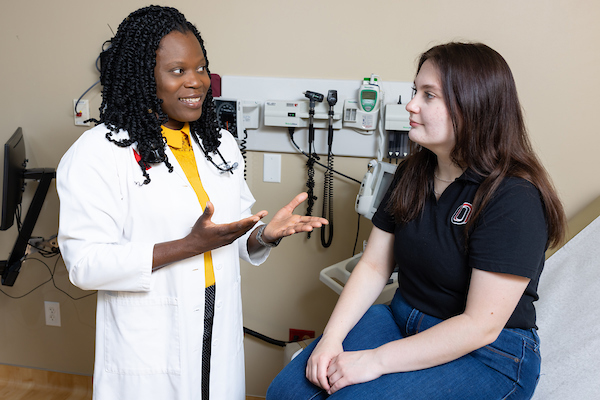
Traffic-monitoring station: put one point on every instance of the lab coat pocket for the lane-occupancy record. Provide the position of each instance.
(142, 335)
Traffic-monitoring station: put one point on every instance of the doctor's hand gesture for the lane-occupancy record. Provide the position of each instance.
(286, 223)
(205, 236)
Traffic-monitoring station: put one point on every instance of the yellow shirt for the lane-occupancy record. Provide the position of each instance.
(179, 142)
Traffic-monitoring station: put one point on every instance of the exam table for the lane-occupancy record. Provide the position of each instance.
(568, 314)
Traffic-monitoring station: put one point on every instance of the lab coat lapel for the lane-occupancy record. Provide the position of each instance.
(177, 170)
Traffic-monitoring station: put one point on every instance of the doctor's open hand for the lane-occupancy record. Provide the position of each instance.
(286, 223)
(205, 236)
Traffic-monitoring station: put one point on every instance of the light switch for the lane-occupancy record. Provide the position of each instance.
(272, 168)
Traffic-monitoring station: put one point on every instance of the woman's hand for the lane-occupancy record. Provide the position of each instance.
(205, 236)
(320, 360)
(350, 368)
(286, 223)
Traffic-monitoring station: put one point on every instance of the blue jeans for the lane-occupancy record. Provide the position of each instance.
(506, 369)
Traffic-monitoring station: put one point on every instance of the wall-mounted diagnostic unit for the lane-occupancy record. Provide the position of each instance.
(229, 115)
(236, 115)
(375, 184)
(397, 125)
(357, 113)
(295, 114)
(362, 113)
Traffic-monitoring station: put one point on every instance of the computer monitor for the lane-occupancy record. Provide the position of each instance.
(15, 174)
(13, 182)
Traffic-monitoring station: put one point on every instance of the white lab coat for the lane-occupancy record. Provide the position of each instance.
(149, 326)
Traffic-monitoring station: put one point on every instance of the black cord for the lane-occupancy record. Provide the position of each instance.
(35, 288)
(74, 298)
(264, 338)
(267, 339)
(310, 184)
(310, 165)
(18, 217)
(52, 273)
(291, 134)
(243, 149)
(356, 239)
(328, 202)
(42, 251)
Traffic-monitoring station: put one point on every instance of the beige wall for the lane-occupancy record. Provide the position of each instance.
(48, 51)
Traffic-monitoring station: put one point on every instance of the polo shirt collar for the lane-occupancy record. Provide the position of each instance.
(471, 176)
(173, 136)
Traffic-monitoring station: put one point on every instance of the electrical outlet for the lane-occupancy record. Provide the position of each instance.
(297, 335)
(83, 112)
(52, 313)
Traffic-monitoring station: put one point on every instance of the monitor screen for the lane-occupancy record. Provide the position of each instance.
(13, 178)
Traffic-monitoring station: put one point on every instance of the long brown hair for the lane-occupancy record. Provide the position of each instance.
(491, 138)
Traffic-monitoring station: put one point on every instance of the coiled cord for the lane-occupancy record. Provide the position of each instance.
(310, 184)
(328, 202)
(243, 149)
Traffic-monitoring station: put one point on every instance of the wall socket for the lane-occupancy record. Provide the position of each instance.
(83, 112)
(297, 335)
(52, 313)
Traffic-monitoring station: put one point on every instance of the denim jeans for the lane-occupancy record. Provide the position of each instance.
(508, 368)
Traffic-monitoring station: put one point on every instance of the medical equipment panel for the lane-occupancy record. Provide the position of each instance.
(279, 96)
(376, 182)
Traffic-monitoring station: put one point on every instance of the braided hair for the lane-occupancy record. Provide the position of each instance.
(129, 99)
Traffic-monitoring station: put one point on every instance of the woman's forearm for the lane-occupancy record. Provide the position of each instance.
(365, 284)
(359, 293)
(491, 301)
(447, 341)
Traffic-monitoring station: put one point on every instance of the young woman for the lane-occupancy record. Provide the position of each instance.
(467, 221)
(155, 214)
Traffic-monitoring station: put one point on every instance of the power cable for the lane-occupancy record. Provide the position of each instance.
(328, 179)
(291, 134)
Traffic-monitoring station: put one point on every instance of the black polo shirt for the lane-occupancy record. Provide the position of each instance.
(434, 262)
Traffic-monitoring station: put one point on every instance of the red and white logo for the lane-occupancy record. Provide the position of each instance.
(462, 214)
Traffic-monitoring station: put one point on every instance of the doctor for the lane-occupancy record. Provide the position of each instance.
(155, 214)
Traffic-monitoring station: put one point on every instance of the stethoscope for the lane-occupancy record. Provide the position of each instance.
(223, 167)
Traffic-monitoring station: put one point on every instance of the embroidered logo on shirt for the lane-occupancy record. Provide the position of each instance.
(462, 214)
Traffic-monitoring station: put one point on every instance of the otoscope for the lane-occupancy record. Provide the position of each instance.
(331, 100)
(312, 97)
